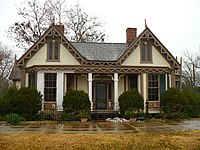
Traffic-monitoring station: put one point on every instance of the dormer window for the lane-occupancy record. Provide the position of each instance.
(53, 51)
(146, 52)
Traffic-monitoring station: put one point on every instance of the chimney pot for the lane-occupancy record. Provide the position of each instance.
(131, 35)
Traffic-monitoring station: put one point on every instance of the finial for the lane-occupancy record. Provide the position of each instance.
(145, 21)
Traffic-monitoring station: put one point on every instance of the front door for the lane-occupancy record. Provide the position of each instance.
(101, 96)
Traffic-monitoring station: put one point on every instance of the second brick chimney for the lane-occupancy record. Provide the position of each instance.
(131, 35)
(60, 27)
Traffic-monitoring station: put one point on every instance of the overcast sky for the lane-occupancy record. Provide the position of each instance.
(176, 23)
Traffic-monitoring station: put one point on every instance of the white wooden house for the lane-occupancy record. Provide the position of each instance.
(103, 70)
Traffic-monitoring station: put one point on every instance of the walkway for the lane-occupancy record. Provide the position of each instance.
(99, 127)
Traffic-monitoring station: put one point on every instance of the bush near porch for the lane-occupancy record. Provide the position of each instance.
(77, 103)
(176, 104)
(24, 101)
(130, 103)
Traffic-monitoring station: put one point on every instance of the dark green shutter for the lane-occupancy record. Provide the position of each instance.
(168, 81)
(162, 84)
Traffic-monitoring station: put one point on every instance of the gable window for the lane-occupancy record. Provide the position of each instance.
(146, 52)
(153, 87)
(133, 81)
(53, 51)
(50, 87)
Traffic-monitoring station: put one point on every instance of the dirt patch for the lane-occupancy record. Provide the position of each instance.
(165, 140)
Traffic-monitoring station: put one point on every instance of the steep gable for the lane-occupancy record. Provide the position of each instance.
(53, 31)
(149, 36)
(135, 59)
(40, 58)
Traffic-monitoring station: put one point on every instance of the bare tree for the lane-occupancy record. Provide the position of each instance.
(37, 17)
(83, 28)
(57, 7)
(6, 63)
(191, 70)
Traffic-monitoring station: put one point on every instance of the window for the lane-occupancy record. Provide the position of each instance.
(50, 86)
(32, 79)
(70, 81)
(146, 52)
(133, 81)
(53, 51)
(153, 87)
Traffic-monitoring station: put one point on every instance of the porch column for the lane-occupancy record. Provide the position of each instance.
(40, 85)
(173, 78)
(166, 81)
(144, 89)
(116, 91)
(60, 90)
(90, 89)
(139, 83)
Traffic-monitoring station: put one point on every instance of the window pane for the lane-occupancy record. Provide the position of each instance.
(149, 53)
(50, 52)
(56, 51)
(153, 87)
(133, 81)
(32, 81)
(70, 81)
(143, 53)
(50, 86)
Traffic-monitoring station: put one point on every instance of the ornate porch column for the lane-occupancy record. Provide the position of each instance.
(90, 89)
(116, 105)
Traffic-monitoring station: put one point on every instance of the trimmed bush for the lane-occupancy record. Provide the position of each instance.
(25, 100)
(14, 119)
(31, 100)
(174, 104)
(130, 101)
(76, 101)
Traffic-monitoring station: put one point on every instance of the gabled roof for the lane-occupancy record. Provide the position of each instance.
(101, 51)
(148, 35)
(55, 32)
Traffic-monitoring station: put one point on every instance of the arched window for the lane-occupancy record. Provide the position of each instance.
(53, 51)
(146, 52)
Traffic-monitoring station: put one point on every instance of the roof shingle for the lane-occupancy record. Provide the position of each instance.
(100, 51)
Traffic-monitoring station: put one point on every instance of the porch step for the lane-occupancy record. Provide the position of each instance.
(104, 114)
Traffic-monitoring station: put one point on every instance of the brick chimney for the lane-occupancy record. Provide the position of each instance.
(60, 27)
(131, 35)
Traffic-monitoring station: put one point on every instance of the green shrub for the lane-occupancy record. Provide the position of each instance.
(76, 101)
(14, 119)
(31, 101)
(174, 104)
(70, 117)
(25, 100)
(130, 101)
(9, 101)
(193, 101)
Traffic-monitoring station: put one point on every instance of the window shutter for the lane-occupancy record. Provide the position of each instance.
(162, 84)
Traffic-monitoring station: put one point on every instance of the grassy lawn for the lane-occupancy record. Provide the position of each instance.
(162, 140)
